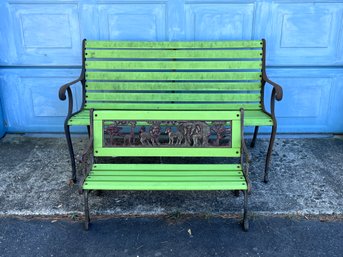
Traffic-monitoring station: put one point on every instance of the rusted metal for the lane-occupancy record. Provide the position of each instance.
(277, 94)
(131, 133)
(62, 95)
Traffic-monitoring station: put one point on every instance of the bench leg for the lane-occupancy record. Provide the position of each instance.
(245, 214)
(89, 131)
(87, 219)
(269, 154)
(71, 152)
(252, 144)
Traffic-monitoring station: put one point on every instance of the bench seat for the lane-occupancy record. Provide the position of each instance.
(251, 118)
(165, 177)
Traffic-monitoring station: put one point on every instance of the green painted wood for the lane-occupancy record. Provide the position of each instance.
(165, 151)
(166, 167)
(251, 118)
(183, 97)
(177, 86)
(165, 115)
(157, 178)
(175, 45)
(171, 54)
(179, 173)
(170, 65)
(173, 76)
(170, 106)
(214, 185)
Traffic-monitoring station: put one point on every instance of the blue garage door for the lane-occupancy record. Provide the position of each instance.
(40, 50)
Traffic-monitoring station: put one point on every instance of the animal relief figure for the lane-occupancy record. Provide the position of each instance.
(197, 135)
(219, 129)
(144, 137)
(178, 136)
(187, 128)
(155, 132)
(129, 139)
(205, 132)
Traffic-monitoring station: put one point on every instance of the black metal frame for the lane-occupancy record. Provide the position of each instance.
(245, 168)
(87, 161)
(62, 95)
(277, 93)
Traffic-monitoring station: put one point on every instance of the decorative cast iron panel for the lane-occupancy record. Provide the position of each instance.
(131, 133)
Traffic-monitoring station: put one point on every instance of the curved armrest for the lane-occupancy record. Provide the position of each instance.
(63, 89)
(277, 87)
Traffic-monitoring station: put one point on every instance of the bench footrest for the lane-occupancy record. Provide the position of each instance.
(165, 177)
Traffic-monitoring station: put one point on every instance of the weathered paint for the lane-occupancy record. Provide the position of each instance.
(41, 49)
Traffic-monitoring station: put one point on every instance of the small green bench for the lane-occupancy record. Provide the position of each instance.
(150, 133)
(165, 76)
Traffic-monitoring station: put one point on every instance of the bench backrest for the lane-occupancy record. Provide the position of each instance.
(167, 133)
(221, 75)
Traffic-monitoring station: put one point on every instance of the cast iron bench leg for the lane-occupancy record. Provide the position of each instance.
(87, 219)
(269, 153)
(71, 152)
(245, 214)
(252, 144)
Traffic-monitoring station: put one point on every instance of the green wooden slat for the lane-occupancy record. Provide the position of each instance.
(165, 185)
(174, 45)
(179, 86)
(169, 106)
(167, 167)
(251, 118)
(163, 151)
(184, 54)
(179, 173)
(169, 65)
(165, 115)
(158, 178)
(180, 97)
(173, 76)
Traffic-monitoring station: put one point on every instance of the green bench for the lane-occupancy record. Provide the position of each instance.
(166, 76)
(150, 133)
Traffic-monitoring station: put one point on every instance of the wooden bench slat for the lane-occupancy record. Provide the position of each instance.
(174, 54)
(188, 185)
(92, 75)
(170, 106)
(99, 116)
(170, 65)
(179, 97)
(166, 167)
(165, 178)
(168, 152)
(167, 173)
(252, 117)
(175, 45)
(177, 86)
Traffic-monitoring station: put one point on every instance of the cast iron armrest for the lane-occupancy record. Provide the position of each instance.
(277, 87)
(63, 89)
